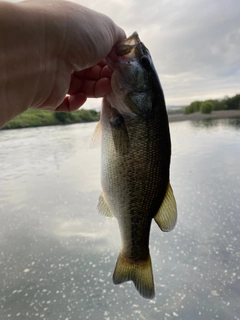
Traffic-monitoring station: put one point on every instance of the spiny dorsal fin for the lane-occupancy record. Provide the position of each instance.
(103, 207)
(96, 137)
(139, 272)
(166, 217)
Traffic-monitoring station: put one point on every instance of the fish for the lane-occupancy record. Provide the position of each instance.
(135, 160)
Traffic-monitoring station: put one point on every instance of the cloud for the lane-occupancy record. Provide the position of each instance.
(195, 45)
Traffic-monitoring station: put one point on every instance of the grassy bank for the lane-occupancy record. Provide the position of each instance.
(35, 118)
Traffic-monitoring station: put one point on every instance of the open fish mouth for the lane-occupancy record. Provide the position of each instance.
(132, 68)
(124, 50)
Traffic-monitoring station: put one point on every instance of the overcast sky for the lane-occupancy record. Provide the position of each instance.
(195, 44)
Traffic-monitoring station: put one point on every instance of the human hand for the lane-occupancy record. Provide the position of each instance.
(90, 36)
(93, 82)
(53, 56)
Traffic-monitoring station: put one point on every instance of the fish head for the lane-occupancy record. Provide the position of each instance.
(134, 77)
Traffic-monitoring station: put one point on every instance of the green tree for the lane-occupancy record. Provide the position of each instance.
(218, 105)
(193, 107)
(196, 106)
(233, 103)
(225, 104)
(206, 107)
(188, 110)
(64, 117)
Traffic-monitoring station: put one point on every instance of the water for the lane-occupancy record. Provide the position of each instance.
(57, 254)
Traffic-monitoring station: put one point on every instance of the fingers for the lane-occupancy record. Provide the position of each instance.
(101, 70)
(120, 34)
(94, 82)
(116, 32)
(72, 103)
(98, 89)
(90, 89)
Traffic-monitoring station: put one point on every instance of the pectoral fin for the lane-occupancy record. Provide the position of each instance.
(103, 207)
(166, 217)
(96, 138)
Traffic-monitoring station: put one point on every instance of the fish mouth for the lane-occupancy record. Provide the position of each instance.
(123, 50)
(132, 40)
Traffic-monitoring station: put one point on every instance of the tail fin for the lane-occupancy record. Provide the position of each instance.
(140, 273)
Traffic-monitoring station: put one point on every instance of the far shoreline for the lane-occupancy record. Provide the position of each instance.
(197, 116)
(177, 117)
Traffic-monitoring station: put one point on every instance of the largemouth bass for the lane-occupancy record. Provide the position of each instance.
(136, 150)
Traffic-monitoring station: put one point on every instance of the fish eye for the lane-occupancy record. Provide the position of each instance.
(145, 62)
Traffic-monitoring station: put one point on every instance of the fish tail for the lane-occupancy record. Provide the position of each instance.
(139, 272)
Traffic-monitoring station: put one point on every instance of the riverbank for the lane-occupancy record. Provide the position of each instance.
(40, 118)
(33, 118)
(197, 116)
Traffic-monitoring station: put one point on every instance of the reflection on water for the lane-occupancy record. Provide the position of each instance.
(208, 123)
(57, 254)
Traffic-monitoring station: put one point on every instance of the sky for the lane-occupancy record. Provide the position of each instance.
(195, 44)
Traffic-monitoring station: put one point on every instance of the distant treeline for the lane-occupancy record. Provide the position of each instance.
(214, 105)
(37, 118)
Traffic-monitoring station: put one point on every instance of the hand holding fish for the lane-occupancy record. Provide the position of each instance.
(47, 45)
(93, 82)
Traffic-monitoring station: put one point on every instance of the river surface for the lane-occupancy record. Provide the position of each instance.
(57, 254)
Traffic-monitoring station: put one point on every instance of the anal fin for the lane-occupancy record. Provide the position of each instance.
(166, 217)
